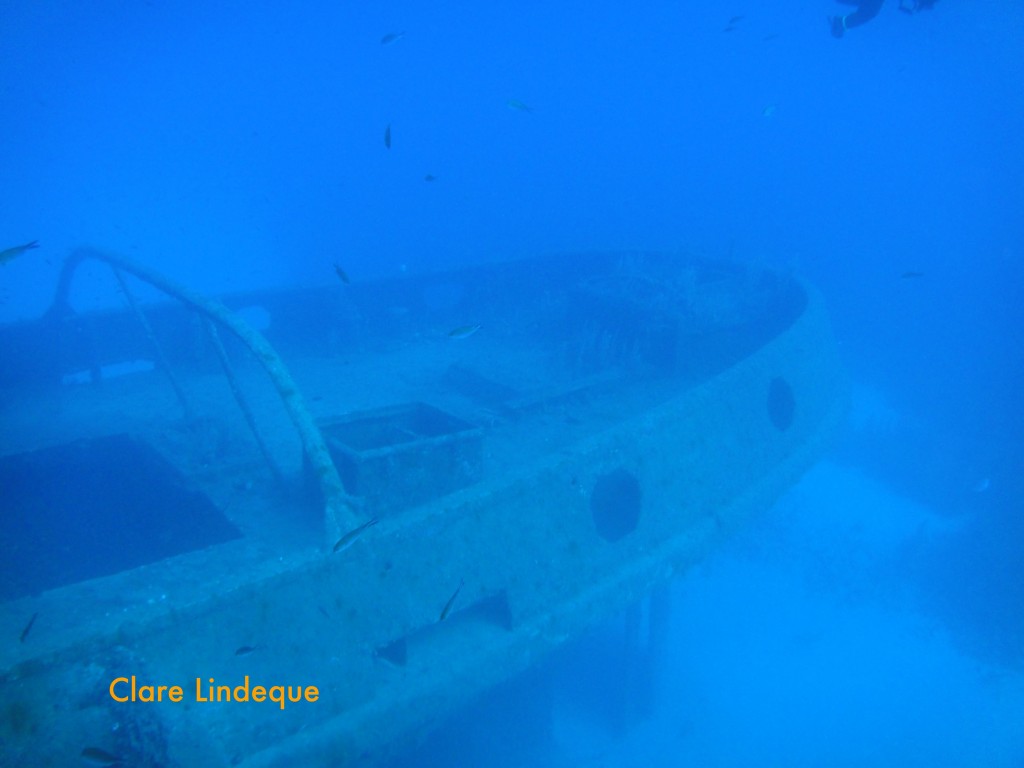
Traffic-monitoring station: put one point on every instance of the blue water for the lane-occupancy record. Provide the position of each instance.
(876, 616)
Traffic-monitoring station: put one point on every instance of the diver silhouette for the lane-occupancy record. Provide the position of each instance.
(867, 10)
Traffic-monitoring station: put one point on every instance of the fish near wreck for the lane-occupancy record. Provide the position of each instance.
(463, 331)
(97, 756)
(352, 536)
(451, 601)
(28, 627)
(9, 254)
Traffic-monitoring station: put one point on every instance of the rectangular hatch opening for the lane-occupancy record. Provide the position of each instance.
(94, 508)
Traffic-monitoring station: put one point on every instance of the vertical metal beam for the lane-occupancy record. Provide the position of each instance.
(243, 404)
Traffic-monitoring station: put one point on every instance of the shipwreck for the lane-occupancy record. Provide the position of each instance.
(399, 491)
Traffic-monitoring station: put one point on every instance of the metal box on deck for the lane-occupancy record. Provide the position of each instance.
(400, 456)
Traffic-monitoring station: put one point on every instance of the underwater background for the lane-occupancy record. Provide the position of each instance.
(876, 615)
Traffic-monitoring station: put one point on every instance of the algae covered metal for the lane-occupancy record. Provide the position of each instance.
(609, 418)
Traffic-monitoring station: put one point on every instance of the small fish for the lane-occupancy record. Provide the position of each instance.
(772, 36)
(463, 331)
(97, 756)
(245, 650)
(391, 37)
(911, 275)
(768, 111)
(350, 538)
(28, 627)
(451, 601)
(518, 106)
(387, 136)
(734, 19)
(13, 253)
(341, 273)
(430, 177)
(983, 485)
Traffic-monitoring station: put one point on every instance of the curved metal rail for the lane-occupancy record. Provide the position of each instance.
(339, 512)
